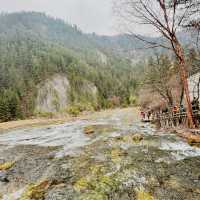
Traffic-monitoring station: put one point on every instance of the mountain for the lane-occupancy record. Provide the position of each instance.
(47, 65)
(43, 27)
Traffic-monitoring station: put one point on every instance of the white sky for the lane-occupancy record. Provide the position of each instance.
(89, 15)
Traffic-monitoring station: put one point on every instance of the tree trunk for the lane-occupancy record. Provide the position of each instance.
(170, 98)
(182, 95)
(198, 88)
(183, 75)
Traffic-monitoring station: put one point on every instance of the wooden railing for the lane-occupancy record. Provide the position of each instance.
(175, 119)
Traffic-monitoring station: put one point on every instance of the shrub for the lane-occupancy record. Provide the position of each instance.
(74, 110)
(133, 100)
(45, 114)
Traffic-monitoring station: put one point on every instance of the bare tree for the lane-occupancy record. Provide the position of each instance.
(159, 74)
(192, 20)
(166, 17)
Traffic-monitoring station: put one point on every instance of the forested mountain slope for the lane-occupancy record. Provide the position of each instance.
(43, 27)
(34, 49)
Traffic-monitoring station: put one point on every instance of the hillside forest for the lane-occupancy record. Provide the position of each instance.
(101, 71)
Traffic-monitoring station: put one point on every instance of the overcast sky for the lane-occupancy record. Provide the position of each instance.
(89, 15)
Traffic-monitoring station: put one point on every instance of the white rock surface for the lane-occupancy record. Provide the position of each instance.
(53, 95)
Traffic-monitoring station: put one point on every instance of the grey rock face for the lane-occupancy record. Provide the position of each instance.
(53, 94)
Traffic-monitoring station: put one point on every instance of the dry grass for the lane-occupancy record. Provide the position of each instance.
(6, 166)
(28, 123)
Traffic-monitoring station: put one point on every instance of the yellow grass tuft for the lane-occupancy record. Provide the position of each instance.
(6, 166)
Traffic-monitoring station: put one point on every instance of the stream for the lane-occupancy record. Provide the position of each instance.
(122, 159)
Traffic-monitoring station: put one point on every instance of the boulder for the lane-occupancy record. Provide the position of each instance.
(99, 128)
(194, 140)
(3, 177)
(53, 94)
(137, 137)
(89, 130)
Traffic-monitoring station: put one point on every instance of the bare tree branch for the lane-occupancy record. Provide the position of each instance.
(165, 16)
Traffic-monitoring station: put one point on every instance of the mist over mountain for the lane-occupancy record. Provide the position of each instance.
(40, 26)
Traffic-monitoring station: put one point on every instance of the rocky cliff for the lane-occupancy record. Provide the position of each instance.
(55, 94)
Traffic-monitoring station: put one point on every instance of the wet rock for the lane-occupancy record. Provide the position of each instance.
(89, 130)
(118, 138)
(98, 128)
(56, 173)
(3, 177)
(194, 140)
(32, 162)
(195, 144)
(61, 193)
(117, 168)
(51, 156)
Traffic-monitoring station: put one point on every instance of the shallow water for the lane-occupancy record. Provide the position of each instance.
(70, 137)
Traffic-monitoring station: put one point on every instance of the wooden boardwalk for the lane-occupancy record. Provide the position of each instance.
(176, 119)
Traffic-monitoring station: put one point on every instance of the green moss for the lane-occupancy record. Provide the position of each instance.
(97, 184)
(173, 182)
(142, 195)
(116, 155)
(131, 138)
(45, 114)
(106, 184)
(35, 191)
(100, 128)
(7, 165)
(95, 187)
(55, 100)
(133, 100)
(76, 108)
(97, 169)
(73, 110)
(93, 196)
(82, 184)
(137, 138)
